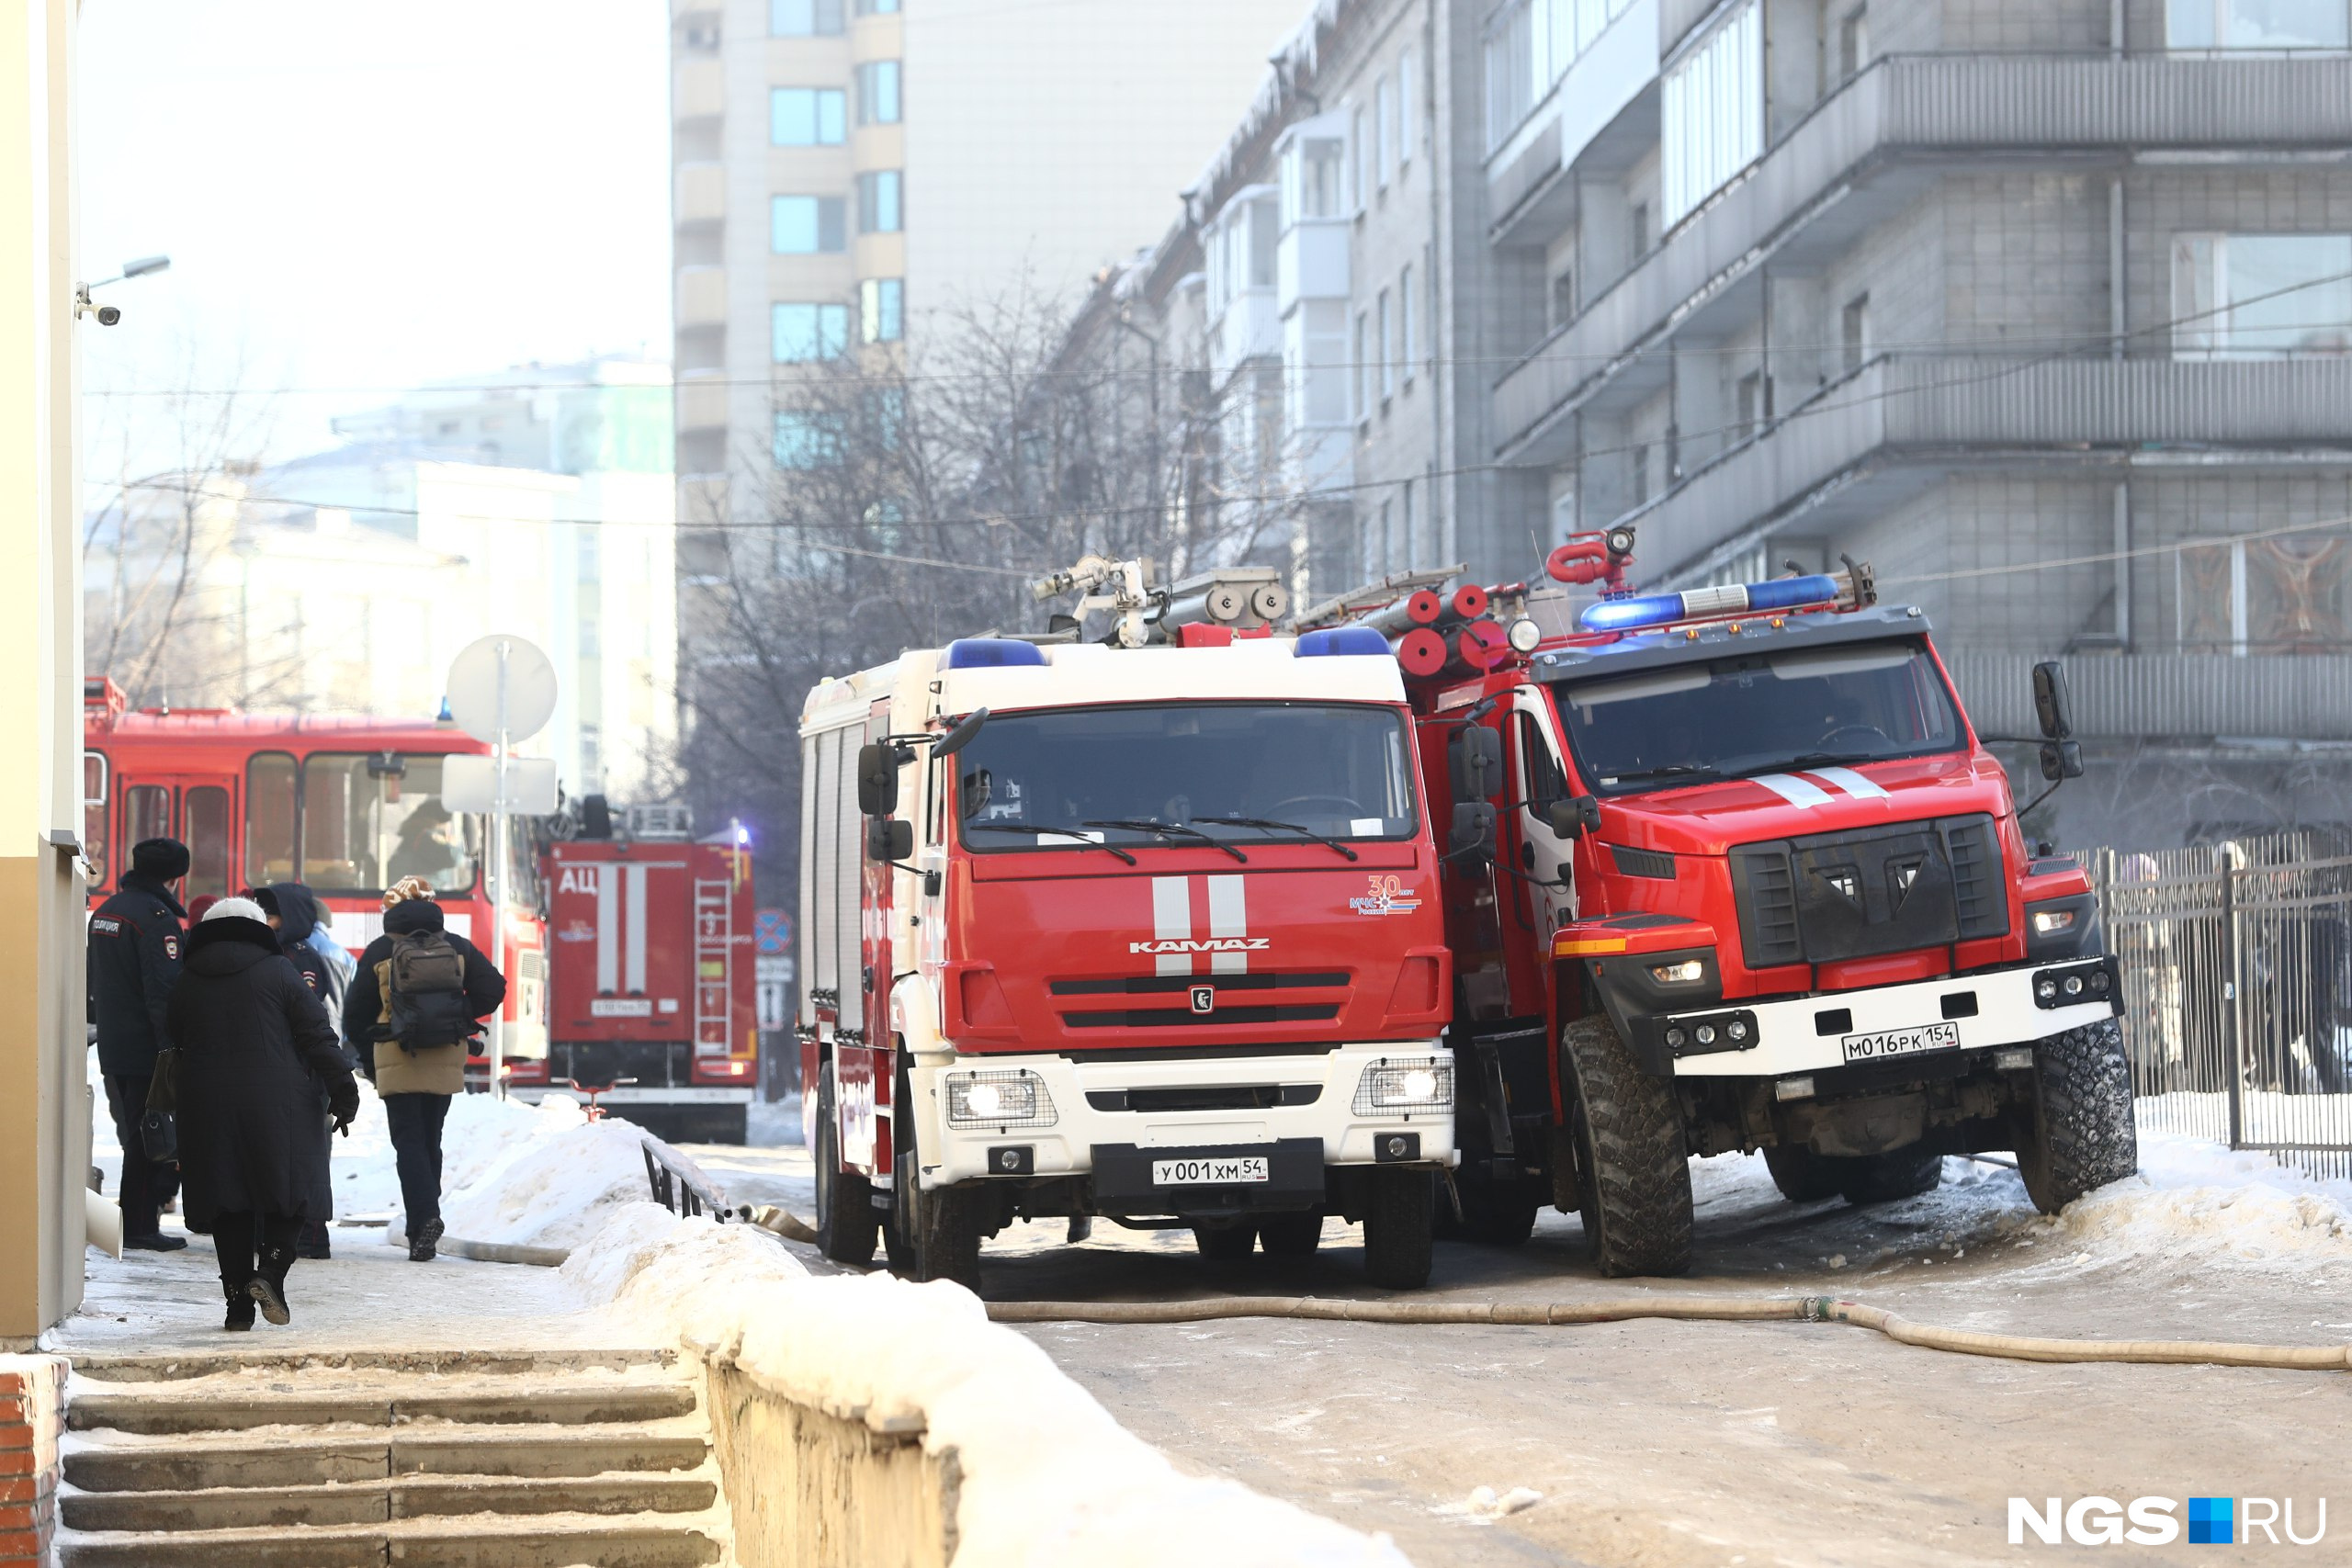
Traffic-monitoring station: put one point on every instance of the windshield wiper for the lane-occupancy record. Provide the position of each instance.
(1828, 759)
(1153, 825)
(1271, 825)
(1034, 829)
(1670, 770)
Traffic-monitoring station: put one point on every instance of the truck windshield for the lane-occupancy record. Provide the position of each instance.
(1760, 713)
(1061, 779)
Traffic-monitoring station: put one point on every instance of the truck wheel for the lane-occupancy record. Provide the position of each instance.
(1399, 1228)
(1225, 1244)
(845, 1224)
(933, 1235)
(2080, 1134)
(1637, 1191)
(1884, 1178)
(1290, 1236)
(1803, 1176)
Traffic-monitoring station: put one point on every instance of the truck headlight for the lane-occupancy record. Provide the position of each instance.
(1688, 972)
(998, 1099)
(2050, 922)
(1396, 1089)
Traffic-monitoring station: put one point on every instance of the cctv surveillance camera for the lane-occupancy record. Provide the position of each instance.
(110, 314)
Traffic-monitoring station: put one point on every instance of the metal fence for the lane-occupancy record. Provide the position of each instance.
(2237, 991)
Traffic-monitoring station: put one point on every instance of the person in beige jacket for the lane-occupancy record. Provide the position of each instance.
(415, 1047)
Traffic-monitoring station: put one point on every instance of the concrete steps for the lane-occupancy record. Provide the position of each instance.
(293, 1462)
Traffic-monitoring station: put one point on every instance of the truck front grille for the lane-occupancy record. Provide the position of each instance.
(1898, 888)
(1185, 1017)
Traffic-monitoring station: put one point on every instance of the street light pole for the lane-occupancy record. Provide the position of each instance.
(498, 878)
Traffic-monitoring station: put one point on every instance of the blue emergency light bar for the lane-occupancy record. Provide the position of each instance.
(1731, 599)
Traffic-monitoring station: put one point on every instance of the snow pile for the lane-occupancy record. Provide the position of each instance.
(1048, 1476)
(2196, 1204)
(543, 1176)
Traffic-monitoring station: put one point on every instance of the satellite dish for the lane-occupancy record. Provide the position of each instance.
(477, 675)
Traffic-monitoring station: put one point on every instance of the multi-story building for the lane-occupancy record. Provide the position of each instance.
(846, 170)
(2042, 305)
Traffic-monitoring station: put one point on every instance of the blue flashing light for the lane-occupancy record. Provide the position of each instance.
(1730, 599)
(1341, 642)
(991, 653)
(1622, 614)
(1791, 593)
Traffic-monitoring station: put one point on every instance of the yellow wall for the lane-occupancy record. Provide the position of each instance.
(43, 1104)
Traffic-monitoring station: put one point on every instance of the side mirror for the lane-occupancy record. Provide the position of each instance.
(1473, 838)
(955, 740)
(1573, 818)
(2060, 759)
(878, 778)
(1475, 758)
(888, 839)
(2051, 706)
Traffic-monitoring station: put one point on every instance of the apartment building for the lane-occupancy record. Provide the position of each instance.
(846, 170)
(2045, 305)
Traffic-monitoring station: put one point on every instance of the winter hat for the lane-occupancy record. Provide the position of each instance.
(197, 906)
(165, 860)
(408, 888)
(233, 909)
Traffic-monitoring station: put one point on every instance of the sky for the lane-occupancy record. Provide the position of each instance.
(357, 198)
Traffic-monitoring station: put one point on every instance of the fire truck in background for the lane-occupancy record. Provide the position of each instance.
(1730, 870)
(344, 805)
(1143, 929)
(652, 1002)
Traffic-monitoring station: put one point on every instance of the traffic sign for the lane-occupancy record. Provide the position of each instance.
(501, 682)
(772, 931)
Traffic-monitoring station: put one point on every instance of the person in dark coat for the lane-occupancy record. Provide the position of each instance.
(256, 1050)
(134, 956)
(416, 1084)
(293, 913)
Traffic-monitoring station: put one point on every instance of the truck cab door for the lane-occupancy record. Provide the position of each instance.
(1538, 780)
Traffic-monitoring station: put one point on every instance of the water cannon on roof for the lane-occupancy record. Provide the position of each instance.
(1204, 609)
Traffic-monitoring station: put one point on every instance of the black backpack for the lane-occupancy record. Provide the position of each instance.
(425, 991)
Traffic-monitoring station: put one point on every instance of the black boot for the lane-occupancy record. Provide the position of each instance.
(425, 1242)
(240, 1309)
(268, 1288)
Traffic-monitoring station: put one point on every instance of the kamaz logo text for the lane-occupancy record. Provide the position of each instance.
(1202, 944)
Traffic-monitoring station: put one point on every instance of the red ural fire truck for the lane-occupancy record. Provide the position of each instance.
(1734, 871)
(652, 999)
(1145, 930)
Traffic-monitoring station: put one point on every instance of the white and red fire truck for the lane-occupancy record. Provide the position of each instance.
(1145, 930)
(651, 986)
(1732, 871)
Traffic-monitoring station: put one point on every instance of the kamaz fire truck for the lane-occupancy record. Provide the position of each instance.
(651, 1002)
(1730, 870)
(1143, 927)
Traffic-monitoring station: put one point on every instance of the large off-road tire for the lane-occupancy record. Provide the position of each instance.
(1634, 1164)
(1400, 1227)
(1803, 1176)
(845, 1223)
(1290, 1236)
(2080, 1134)
(1889, 1177)
(1225, 1244)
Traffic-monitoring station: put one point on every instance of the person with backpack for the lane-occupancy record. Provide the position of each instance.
(413, 1010)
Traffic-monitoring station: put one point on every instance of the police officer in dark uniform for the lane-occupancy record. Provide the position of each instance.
(135, 941)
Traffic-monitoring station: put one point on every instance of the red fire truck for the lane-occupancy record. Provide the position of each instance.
(1144, 930)
(1732, 871)
(652, 984)
(346, 806)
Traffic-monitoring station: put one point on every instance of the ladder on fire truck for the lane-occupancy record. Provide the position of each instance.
(713, 936)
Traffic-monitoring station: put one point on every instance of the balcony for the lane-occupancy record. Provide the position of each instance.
(1251, 328)
(1913, 115)
(1311, 260)
(701, 194)
(701, 401)
(1903, 420)
(2171, 696)
(697, 91)
(702, 297)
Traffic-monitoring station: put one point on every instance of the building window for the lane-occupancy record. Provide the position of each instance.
(2256, 23)
(1404, 338)
(1359, 155)
(2261, 296)
(1383, 132)
(1640, 226)
(1387, 350)
(806, 333)
(1412, 545)
(1564, 298)
(878, 203)
(877, 93)
(805, 441)
(1854, 332)
(1407, 122)
(1361, 361)
(807, 225)
(1853, 43)
(803, 18)
(881, 309)
(1641, 456)
(1748, 402)
(877, 8)
(1713, 122)
(1316, 171)
(808, 117)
